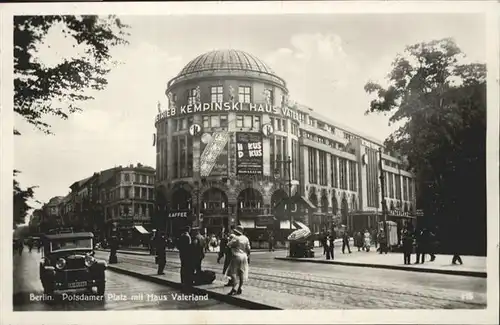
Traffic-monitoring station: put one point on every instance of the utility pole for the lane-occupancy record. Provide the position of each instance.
(382, 190)
(288, 167)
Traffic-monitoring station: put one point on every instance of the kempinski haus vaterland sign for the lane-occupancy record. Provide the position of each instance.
(192, 109)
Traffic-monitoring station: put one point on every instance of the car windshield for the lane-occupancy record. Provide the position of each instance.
(68, 244)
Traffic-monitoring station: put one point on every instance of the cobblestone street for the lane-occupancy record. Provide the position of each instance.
(347, 287)
(120, 291)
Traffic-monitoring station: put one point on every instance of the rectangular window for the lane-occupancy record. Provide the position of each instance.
(184, 124)
(313, 169)
(343, 173)
(410, 189)
(244, 94)
(272, 152)
(272, 122)
(247, 121)
(398, 187)
(256, 122)
(353, 176)
(206, 122)
(175, 158)
(216, 94)
(334, 172)
(190, 121)
(323, 176)
(189, 172)
(191, 96)
(239, 121)
(223, 121)
(391, 186)
(405, 188)
(214, 121)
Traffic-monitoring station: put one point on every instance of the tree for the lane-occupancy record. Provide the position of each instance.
(441, 105)
(21, 205)
(40, 89)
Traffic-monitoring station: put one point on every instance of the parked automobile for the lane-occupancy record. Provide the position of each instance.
(68, 264)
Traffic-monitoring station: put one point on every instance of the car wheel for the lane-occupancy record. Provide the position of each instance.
(101, 288)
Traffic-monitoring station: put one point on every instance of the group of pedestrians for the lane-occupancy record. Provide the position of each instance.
(234, 248)
(422, 241)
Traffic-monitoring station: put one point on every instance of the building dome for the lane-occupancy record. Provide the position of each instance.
(226, 60)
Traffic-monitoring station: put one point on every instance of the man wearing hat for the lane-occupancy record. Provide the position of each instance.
(198, 250)
(184, 246)
(238, 267)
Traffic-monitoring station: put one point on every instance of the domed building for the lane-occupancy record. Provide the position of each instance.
(231, 148)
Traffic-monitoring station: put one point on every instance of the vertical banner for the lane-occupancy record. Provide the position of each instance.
(249, 153)
(212, 152)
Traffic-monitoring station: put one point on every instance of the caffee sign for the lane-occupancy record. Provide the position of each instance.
(200, 108)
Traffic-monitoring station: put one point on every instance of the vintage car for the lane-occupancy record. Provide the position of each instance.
(68, 264)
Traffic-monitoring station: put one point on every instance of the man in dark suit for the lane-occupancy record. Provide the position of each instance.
(184, 246)
(161, 254)
(198, 250)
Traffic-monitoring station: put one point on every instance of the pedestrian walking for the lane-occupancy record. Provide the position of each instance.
(374, 238)
(456, 245)
(222, 247)
(198, 247)
(271, 241)
(324, 242)
(358, 240)
(345, 242)
(184, 247)
(367, 241)
(421, 245)
(331, 244)
(433, 244)
(227, 261)
(238, 268)
(407, 246)
(382, 241)
(161, 254)
(30, 244)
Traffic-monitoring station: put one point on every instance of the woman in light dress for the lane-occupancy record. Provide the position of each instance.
(240, 253)
(367, 241)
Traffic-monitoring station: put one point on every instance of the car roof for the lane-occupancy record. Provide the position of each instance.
(71, 235)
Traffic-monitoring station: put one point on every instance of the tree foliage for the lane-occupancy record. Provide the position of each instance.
(21, 205)
(41, 89)
(441, 107)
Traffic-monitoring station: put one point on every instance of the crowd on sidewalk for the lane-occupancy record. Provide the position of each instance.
(419, 241)
(192, 245)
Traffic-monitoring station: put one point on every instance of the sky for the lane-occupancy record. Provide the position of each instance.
(325, 59)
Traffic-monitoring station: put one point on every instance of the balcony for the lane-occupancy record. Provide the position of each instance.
(215, 211)
(250, 211)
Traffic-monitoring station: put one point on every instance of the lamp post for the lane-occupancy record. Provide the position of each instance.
(382, 190)
(288, 163)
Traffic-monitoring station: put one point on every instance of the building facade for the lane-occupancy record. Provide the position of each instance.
(222, 143)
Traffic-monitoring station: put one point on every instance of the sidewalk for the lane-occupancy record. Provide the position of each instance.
(474, 266)
(252, 297)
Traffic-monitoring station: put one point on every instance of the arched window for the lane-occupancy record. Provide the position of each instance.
(324, 204)
(250, 200)
(335, 206)
(181, 200)
(214, 201)
(344, 210)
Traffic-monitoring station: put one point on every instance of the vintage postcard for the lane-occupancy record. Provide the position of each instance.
(240, 162)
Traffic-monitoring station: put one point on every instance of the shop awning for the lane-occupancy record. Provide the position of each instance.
(245, 223)
(300, 225)
(141, 230)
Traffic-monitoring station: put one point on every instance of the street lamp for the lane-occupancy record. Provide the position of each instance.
(382, 188)
(287, 163)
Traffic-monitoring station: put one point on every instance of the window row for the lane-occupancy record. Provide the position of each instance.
(319, 139)
(342, 174)
(244, 95)
(182, 157)
(279, 124)
(134, 192)
(137, 178)
(118, 211)
(398, 187)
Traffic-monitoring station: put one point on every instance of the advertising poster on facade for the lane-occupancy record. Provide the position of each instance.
(214, 162)
(249, 153)
(221, 165)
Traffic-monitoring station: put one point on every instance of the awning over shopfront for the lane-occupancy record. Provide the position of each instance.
(300, 225)
(141, 230)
